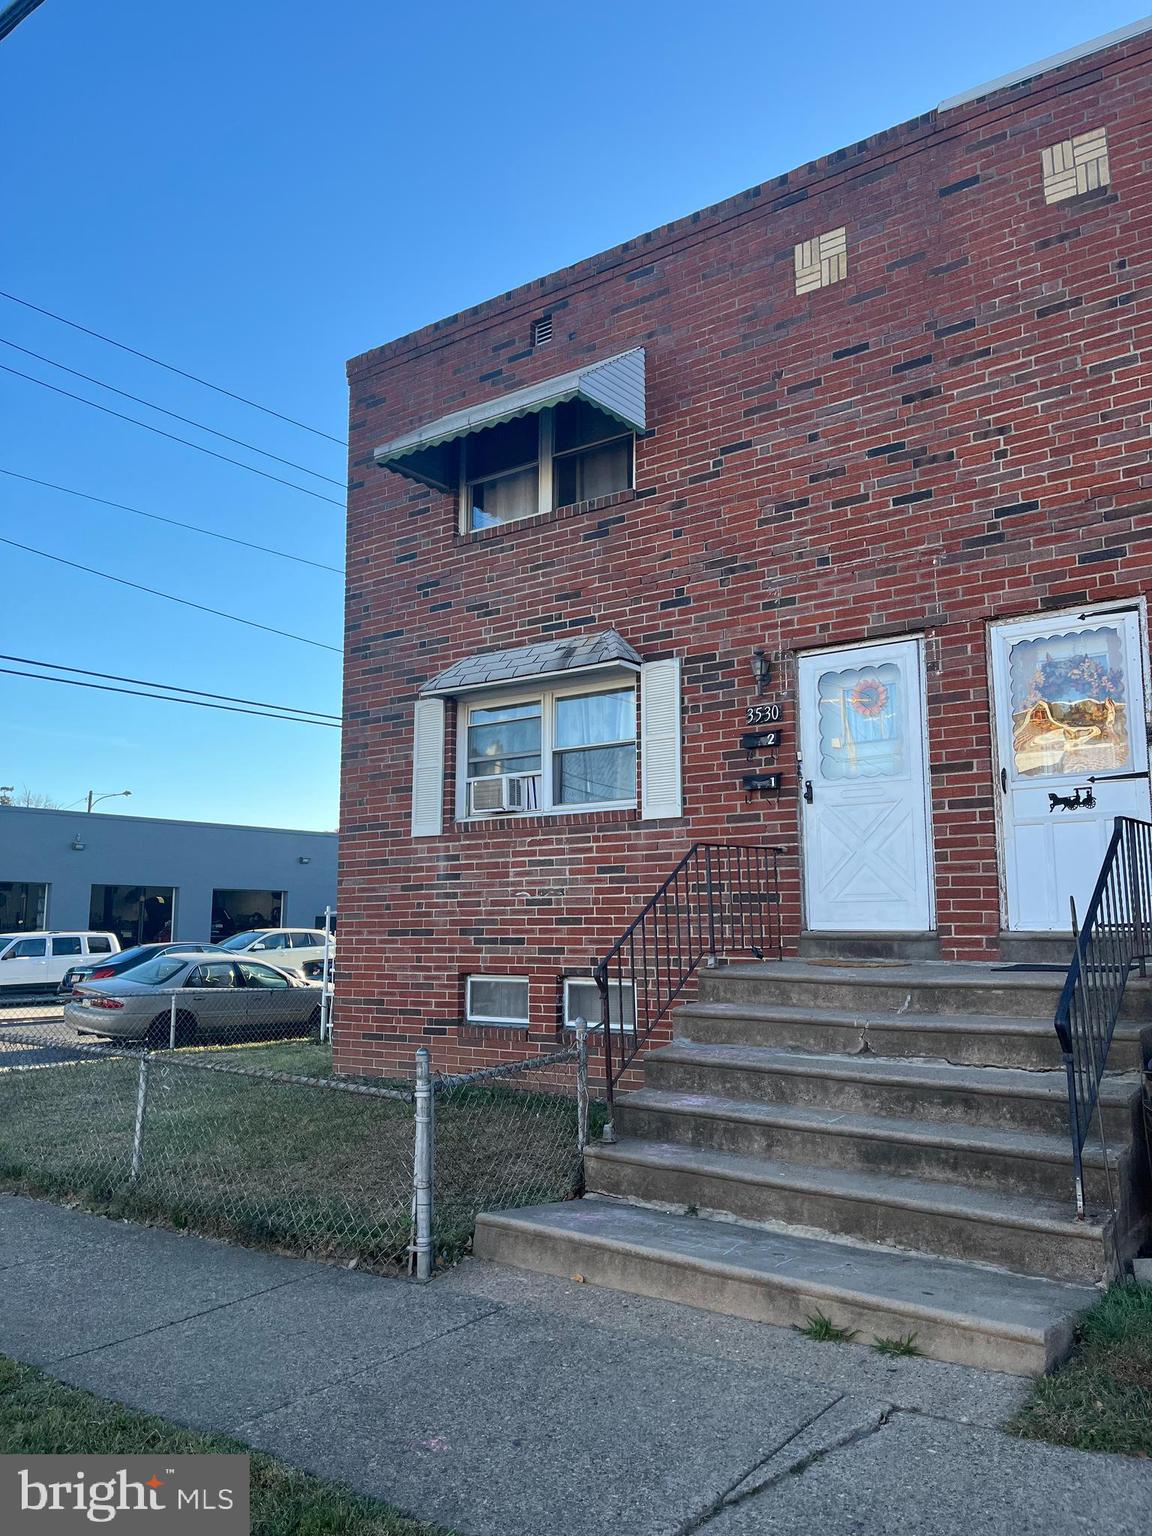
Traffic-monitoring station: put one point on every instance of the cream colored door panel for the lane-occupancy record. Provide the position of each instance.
(865, 809)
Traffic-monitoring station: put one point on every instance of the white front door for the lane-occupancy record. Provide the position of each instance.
(863, 765)
(1071, 755)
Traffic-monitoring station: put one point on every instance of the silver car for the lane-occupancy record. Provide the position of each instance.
(216, 998)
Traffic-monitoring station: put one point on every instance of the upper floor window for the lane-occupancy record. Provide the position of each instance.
(561, 440)
(551, 458)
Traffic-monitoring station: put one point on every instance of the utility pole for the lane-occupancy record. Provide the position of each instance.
(12, 15)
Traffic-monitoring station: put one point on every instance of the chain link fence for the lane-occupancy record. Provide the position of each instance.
(236, 1127)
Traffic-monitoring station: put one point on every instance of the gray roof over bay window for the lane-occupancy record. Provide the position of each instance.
(605, 651)
(614, 385)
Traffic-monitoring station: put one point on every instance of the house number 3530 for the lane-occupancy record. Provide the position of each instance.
(763, 714)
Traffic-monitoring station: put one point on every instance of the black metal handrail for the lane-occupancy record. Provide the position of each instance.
(722, 898)
(1114, 938)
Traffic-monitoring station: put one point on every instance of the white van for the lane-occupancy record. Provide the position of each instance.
(37, 961)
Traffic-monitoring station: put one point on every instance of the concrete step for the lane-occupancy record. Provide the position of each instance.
(1037, 948)
(868, 946)
(972, 1039)
(948, 987)
(967, 1313)
(1007, 1161)
(873, 1085)
(1016, 1232)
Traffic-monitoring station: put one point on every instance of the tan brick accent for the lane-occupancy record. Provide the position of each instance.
(1075, 166)
(822, 261)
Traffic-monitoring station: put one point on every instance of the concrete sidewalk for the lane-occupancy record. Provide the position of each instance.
(502, 1404)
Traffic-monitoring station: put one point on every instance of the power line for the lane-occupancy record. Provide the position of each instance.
(114, 677)
(12, 15)
(171, 436)
(171, 367)
(189, 421)
(73, 682)
(173, 521)
(183, 601)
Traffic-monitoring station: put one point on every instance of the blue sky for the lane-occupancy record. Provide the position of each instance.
(257, 190)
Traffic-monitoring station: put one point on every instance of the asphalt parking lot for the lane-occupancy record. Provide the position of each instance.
(36, 1024)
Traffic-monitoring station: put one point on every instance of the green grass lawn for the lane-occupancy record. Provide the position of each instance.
(275, 1164)
(1101, 1398)
(39, 1416)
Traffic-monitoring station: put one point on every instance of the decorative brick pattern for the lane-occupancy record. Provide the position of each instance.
(821, 261)
(958, 435)
(1075, 166)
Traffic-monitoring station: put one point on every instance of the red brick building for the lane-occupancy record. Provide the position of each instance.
(884, 420)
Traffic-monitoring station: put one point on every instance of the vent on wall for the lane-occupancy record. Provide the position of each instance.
(541, 330)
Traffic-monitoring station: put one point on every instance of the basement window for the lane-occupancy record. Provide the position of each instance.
(496, 1000)
(582, 1000)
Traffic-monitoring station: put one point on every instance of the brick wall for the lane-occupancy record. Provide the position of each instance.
(954, 433)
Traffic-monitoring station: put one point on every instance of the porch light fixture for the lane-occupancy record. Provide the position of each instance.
(304, 858)
(761, 670)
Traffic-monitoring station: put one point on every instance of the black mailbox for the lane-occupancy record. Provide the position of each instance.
(759, 783)
(758, 741)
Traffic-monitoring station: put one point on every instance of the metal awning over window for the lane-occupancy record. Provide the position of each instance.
(603, 652)
(615, 385)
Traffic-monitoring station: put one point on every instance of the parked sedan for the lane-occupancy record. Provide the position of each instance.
(215, 997)
(127, 960)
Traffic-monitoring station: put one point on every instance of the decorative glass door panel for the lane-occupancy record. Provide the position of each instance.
(1069, 698)
(1071, 755)
(861, 723)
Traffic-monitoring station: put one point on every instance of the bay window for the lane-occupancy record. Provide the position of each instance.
(549, 750)
(549, 727)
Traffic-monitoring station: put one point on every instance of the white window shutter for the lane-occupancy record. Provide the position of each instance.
(428, 768)
(660, 792)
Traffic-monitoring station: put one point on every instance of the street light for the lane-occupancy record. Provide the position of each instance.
(95, 799)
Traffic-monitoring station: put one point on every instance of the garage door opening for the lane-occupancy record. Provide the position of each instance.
(136, 914)
(23, 906)
(234, 911)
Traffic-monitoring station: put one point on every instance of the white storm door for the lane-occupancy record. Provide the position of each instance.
(863, 775)
(1069, 696)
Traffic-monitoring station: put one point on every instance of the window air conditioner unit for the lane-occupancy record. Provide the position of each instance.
(500, 792)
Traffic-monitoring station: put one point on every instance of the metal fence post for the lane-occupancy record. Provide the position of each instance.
(172, 1024)
(141, 1110)
(326, 980)
(422, 1166)
(581, 1084)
